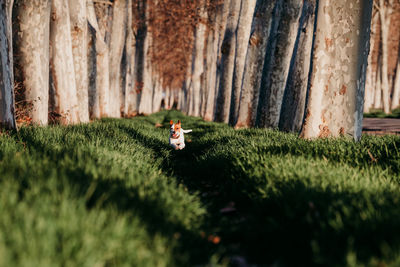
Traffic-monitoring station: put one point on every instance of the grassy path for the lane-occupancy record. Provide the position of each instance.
(114, 193)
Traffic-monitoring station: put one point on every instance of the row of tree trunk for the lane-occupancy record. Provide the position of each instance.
(296, 65)
(382, 90)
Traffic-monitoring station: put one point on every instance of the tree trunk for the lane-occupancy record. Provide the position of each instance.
(211, 69)
(102, 61)
(62, 64)
(7, 116)
(228, 49)
(130, 107)
(369, 84)
(396, 86)
(378, 87)
(267, 68)
(32, 55)
(294, 100)
(276, 81)
(117, 42)
(340, 53)
(385, 12)
(79, 32)
(254, 64)
(242, 43)
(145, 105)
(198, 64)
(94, 100)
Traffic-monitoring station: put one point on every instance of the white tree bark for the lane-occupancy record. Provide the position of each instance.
(79, 33)
(292, 111)
(228, 49)
(146, 101)
(94, 105)
(62, 64)
(242, 43)
(198, 64)
(396, 86)
(130, 107)
(117, 42)
(280, 62)
(157, 94)
(378, 87)
(102, 62)
(7, 116)
(336, 95)
(369, 84)
(254, 64)
(385, 12)
(32, 50)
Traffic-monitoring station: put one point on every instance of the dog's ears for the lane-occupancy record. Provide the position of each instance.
(171, 122)
(179, 121)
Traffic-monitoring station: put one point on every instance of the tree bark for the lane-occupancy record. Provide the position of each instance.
(292, 112)
(396, 86)
(198, 64)
(254, 64)
(102, 61)
(242, 43)
(79, 33)
(7, 116)
(62, 64)
(369, 84)
(130, 107)
(117, 42)
(340, 53)
(385, 12)
(276, 81)
(32, 55)
(228, 49)
(378, 87)
(94, 100)
(145, 105)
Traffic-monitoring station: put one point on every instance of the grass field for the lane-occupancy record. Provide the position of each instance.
(378, 113)
(113, 193)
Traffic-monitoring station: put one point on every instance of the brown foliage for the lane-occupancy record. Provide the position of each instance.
(172, 25)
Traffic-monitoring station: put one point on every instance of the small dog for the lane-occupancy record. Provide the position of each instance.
(176, 137)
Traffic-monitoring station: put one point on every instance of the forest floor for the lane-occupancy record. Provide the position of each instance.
(113, 193)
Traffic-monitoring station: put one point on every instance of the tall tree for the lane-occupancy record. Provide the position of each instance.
(213, 53)
(371, 75)
(7, 116)
(102, 77)
(261, 27)
(79, 33)
(62, 64)
(228, 49)
(198, 63)
(117, 43)
(396, 87)
(130, 106)
(242, 43)
(32, 55)
(292, 111)
(280, 63)
(336, 95)
(385, 11)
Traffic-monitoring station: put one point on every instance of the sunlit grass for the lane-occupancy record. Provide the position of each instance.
(113, 193)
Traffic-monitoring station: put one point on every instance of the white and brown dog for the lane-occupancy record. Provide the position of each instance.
(176, 135)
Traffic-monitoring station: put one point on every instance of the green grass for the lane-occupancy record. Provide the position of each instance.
(112, 193)
(378, 113)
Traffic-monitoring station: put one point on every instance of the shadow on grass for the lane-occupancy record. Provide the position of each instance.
(115, 194)
(297, 225)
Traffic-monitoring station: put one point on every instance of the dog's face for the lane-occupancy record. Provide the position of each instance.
(175, 129)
